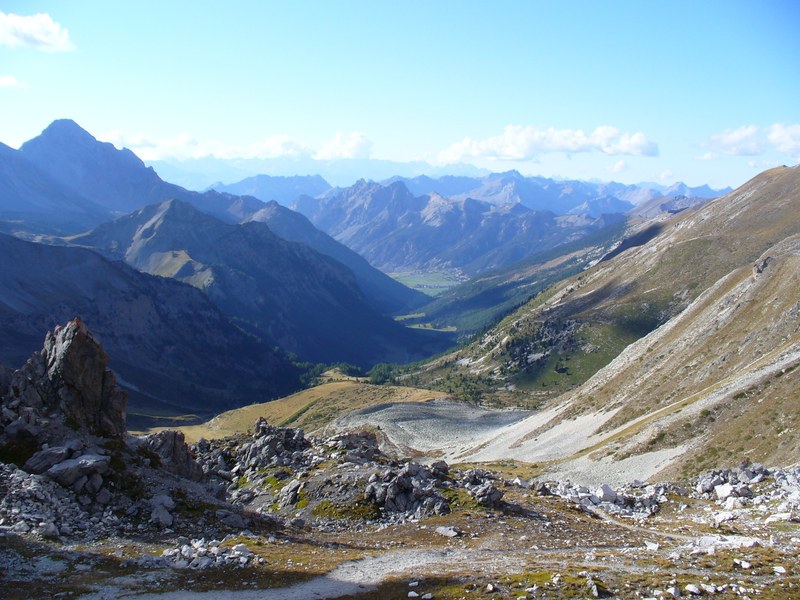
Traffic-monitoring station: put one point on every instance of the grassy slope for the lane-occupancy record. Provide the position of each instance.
(601, 310)
(309, 409)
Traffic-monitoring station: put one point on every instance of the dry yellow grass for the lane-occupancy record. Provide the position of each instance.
(309, 409)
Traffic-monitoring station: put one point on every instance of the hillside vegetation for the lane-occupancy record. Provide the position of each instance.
(564, 335)
(683, 345)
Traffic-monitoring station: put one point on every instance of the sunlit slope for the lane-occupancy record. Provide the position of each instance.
(559, 339)
(716, 383)
(310, 409)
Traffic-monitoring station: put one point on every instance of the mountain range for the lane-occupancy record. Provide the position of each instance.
(462, 223)
(398, 231)
(682, 345)
(284, 292)
(281, 292)
(305, 282)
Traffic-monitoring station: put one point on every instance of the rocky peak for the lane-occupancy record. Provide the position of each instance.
(71, 374)
(66, 131)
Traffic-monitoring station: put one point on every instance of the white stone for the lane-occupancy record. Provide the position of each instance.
(652, 546)
(733, 503)
(605, 493)
(782, 516)
(723, 517)
(692, 589)
(723, 491)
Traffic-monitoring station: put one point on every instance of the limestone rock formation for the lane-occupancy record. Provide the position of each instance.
(70, 373)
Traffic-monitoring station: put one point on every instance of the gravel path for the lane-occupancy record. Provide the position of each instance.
(354, 577)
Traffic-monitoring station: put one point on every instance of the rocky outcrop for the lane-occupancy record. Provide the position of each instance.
(479, 484)
(412, 490)
(63, 422)
(70, 374)
(170, 452)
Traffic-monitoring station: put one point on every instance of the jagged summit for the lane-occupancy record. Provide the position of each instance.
(71, 374)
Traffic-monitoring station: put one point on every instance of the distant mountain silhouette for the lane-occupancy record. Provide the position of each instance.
(116, 179)
(396, 230)
(280, 189)
(30, 196)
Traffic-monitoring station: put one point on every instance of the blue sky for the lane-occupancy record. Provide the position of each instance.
(703, 92)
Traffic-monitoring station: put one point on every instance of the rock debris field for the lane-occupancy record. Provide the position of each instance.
(87, 510)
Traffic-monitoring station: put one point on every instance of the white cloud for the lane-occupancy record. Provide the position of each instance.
(9, 81)
(186, 146)
(785, 138)
(275, 146)
(751, 140)
(666, 175)
(619, 166)
(525, 143)
(37, 31)
(707, 156)
(346, 145)
(743, 141)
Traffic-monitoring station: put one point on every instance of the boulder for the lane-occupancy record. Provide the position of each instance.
(486, 494)
(161, 516)
(231, 519)
(606, 494)
(44, 459)
(724, 491)
(70, 471)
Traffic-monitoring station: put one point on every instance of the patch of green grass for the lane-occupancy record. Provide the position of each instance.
(459, 499)
(359, 510)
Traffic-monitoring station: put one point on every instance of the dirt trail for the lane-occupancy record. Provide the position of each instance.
(352, 577)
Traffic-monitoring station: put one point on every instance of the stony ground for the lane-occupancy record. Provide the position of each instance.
(88, 510)
(528, 545)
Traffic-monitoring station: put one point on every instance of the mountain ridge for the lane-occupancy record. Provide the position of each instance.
(170, 346)
(707, 310)
(285, 292)
(397, 231)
